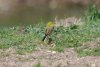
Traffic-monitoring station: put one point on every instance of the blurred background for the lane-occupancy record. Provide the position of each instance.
(26, 12)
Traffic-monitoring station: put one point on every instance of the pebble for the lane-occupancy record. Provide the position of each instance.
(93, 65)
(53, 52)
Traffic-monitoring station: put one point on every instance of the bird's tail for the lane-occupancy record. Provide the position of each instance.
(44, 37)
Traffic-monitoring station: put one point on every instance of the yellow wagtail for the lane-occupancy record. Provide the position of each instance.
(48, 30)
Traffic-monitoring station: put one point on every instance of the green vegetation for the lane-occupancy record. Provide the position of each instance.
(71, 37)
(38, 65)
(89, 52)
(92, 13)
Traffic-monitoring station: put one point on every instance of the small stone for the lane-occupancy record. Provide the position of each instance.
(93, 65)
(53, 52)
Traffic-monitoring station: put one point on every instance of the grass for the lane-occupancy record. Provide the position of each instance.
(38, 65)
(89, 52)
(71, 37)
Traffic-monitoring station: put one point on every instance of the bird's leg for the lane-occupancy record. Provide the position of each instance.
(49, 41)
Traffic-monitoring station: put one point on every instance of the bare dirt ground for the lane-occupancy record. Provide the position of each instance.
(47, 58)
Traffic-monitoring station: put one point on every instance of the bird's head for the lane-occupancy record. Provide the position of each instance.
(50, 24)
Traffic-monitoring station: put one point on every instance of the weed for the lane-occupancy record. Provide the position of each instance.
(38, 65)
(92, 13)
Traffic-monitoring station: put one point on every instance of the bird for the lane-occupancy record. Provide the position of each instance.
(48, 30)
